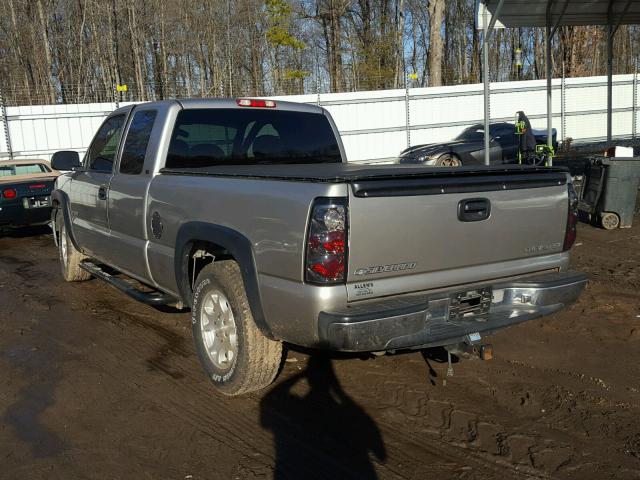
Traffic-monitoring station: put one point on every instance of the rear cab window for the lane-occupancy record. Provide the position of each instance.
(134, 151)
(239, 136)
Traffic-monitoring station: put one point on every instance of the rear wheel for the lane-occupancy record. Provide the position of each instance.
(448, 160)
(70, 257)
(236, 355)
(610, 220)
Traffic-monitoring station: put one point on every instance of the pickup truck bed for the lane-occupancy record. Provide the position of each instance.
(277, 233)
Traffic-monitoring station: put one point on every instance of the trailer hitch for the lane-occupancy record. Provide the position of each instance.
(466, 349)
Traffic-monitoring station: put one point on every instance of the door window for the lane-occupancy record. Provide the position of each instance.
(137, 141)
(104, 147)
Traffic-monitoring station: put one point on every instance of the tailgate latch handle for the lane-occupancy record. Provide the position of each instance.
(474, 209)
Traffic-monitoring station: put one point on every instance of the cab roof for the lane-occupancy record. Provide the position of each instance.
(203, 103)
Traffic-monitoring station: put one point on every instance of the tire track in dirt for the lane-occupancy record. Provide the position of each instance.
(488, 442)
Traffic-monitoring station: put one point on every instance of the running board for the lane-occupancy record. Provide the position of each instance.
(150, 298)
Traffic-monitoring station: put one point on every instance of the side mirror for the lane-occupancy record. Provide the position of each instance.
(65, 160)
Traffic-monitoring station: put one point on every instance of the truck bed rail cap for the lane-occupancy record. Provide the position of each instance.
(344, 172)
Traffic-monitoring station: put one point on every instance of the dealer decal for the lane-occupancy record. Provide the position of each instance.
(363, 289)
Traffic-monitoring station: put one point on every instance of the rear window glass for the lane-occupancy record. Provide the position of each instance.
(29, 169)
(237, 136)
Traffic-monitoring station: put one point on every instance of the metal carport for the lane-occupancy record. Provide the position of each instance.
(552, 14)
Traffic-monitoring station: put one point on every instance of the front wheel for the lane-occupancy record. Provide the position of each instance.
(448, 160)
(70, 258)
(236, 355)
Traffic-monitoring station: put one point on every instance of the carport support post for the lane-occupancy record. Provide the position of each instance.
(549, 90)
(563, 113)
(634, 119)
(610, 33)
(487, 31)
(5, 123)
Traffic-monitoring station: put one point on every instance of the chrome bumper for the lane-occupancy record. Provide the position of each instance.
(425, 321)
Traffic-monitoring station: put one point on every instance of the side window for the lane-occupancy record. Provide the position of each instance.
(104, 147)
(135, 145)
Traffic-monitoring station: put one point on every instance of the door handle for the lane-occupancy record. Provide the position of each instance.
(102, 193)
(474, 209)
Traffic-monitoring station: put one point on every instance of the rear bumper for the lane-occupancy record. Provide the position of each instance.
(15, 215)
(425, 321)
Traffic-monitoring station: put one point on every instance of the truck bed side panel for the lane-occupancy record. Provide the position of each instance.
(272, 215)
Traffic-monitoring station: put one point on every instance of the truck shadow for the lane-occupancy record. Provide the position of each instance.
(319, 431)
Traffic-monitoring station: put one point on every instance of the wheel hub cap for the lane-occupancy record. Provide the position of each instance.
(219, 331)
(63, 245)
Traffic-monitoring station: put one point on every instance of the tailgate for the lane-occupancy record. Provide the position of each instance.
(420, 233)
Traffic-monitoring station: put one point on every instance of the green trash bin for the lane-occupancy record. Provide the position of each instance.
(609, 191)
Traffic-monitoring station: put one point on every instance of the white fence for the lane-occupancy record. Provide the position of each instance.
(377, 125)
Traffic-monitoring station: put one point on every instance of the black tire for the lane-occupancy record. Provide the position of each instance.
(255, 363)
(448, 160)
(70, 257)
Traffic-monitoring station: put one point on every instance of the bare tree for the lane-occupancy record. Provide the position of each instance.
(436, 45)
(79, 50)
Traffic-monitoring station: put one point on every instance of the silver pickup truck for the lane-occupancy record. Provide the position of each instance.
(246, 212)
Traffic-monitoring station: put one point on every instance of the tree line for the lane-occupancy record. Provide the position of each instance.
(75, 51)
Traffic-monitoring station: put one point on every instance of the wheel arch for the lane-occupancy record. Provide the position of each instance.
(223, 243)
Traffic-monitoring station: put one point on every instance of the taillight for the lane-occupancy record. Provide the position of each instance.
(9, 193)
(253, 102)
(572, 219)
(326, 258)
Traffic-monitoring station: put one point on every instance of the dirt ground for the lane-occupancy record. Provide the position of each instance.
(94, 385)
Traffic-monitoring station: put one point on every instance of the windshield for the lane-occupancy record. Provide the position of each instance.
(238, 136)
(23, 169)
